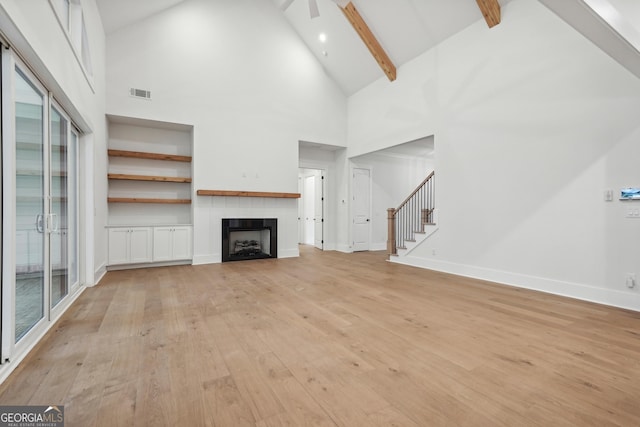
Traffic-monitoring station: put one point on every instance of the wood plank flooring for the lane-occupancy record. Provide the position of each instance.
(331, 339)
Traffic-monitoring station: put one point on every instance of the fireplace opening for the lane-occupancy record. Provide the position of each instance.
(249, 238)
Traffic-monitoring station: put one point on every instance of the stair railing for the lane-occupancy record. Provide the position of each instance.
(411, 216)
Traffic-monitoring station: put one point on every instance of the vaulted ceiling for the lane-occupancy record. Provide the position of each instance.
(407, 28)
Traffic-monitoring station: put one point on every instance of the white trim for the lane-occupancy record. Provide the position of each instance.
(345, 248)
(378, 246)
(88, 274)
(207, 259)
(8, 202)
(99, 274)
(289, 253)
(626, 300)
(148, 265)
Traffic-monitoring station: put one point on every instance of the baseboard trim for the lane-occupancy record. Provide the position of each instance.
(610, 297)
(207, 259)
(99, 274)
(289, 253)
(378, 246)
(344, 248)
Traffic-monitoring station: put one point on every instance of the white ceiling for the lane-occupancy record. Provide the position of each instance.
(404, 28)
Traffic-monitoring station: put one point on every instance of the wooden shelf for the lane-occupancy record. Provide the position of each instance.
(127, 177)
(143, 200)
(151, 156)
(225, 193)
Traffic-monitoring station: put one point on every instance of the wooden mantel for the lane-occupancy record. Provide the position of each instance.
(226, 193)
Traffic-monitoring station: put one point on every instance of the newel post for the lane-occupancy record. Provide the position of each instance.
(391, 231)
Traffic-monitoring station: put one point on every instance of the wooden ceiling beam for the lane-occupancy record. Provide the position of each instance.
(491, 11)
(361, 27)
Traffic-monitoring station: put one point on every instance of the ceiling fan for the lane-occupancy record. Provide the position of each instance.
(313, 6)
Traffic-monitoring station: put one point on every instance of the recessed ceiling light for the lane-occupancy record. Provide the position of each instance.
(322, 37)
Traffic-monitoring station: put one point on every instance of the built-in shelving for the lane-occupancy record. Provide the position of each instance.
(150, 164)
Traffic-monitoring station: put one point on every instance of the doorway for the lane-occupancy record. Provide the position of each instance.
(311, 207)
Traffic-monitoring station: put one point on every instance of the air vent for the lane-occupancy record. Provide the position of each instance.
(140, 93)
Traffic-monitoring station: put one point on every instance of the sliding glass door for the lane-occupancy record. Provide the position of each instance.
(63, 207)
(40, 209)
(31, 218)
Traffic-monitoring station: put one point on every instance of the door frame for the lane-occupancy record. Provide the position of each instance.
(322, 172)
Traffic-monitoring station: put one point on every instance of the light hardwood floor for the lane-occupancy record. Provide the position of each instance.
(331, 339)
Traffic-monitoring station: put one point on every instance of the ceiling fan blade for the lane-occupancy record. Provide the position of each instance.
(313, 9)
(286, 5)
(342, 3)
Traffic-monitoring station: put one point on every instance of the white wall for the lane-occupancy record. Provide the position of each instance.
(532, 123)
(237, 72)
(33, 30)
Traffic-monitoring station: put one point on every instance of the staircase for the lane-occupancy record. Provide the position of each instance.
(412, 221)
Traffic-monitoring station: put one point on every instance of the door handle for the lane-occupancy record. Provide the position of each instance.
(54, 223)
(39, 223)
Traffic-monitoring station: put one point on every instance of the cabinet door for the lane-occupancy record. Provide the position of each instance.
(182, 243)
(118, 246)
(162, 237)
(140, 245)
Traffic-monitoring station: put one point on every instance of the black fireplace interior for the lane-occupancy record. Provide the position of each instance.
(249, 238)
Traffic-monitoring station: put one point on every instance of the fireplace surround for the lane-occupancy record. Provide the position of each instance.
(249, 238)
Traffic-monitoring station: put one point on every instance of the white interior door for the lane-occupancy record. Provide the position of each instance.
(319, 211)
(361, 186)
(301, 210)
(309, 209)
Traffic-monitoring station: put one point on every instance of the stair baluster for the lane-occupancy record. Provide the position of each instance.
(410, 217)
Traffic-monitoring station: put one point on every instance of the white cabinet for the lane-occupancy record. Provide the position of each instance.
(171, 243)
(130, 245)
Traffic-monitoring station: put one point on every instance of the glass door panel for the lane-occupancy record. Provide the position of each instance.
(58, 219)
(30, 206)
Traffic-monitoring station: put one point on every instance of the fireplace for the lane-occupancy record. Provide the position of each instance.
(249, 238)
